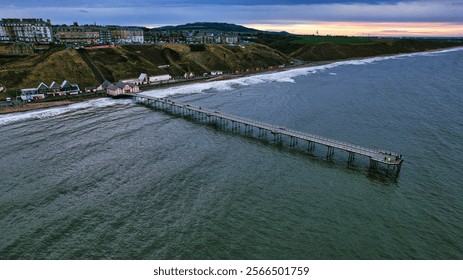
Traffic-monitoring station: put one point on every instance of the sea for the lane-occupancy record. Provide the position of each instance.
(111, 179)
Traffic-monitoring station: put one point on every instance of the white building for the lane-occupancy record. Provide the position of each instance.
(30, 94)
(29, 30)
(128, 35)
(160, 78)
(216, 73)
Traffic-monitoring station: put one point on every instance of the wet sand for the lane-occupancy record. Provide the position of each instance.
(34, 106)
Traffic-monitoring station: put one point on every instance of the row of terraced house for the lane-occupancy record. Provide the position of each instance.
(39, 31)
(54, 89)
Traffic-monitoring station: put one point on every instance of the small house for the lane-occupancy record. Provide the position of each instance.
(30, 94)
(54, 88)
(189, 75)
(216, 73)
(134, 88)
(143, 79)
(113, 90)
(42, 88)
(90, 89)
(160, 78)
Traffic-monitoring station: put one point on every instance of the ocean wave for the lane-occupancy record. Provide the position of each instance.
(287, 76)
(279, 77)
(55, 111)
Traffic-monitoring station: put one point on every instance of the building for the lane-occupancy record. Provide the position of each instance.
(79, 35)
(43, 90)
(231, 39)
(144, 79)
(68, 88)
(189, 75)
(127, 35)
(118, 88)
(31, 94)
(216, 72)
(113, 90)
(29, 30)
(160, 78)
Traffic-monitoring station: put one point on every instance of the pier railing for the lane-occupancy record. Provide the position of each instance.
(391, 160)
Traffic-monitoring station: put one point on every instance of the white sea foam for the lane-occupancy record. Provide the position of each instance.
(287, 76)
(279, 77)
(55, 111)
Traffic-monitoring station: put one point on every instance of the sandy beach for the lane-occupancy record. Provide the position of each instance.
(34, 106)
(48, 104)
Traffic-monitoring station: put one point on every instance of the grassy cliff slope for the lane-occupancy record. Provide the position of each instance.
(89, 67)
(129, 61)
(333, 51)
(323, 48)
(55, 64)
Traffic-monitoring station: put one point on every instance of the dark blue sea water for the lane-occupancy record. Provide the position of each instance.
(110, 179)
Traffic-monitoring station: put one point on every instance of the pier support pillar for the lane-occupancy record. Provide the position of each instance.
(310, 146)
(398, 169)
(277, 138)
(373, 164)
(330, 152)
(351, 158)
(293, 142)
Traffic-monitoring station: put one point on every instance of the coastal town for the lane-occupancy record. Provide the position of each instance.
(24, 34)
(31, 36)
(41, 61)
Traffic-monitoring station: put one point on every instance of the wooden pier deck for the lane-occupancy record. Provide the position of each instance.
(391, 160)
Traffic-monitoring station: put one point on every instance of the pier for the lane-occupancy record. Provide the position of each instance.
(391, 162)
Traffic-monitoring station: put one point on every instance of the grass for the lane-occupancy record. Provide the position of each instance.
(304, 40)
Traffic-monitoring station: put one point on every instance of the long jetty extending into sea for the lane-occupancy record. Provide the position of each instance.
(391, 162)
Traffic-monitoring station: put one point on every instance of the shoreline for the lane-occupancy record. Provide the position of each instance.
(49, 104)
(25, 107)
(34, 106)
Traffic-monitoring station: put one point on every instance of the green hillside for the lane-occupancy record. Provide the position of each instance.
(323, 48)
(88, 67)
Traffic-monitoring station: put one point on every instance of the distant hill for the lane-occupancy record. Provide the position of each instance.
(219, 26)
(324, 48)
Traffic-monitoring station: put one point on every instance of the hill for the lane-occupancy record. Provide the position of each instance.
(218, 26)
(89, 67)
(324, 48)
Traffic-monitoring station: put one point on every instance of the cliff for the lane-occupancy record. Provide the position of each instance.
(89, 67)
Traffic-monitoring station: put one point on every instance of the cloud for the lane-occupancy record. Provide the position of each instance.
(277, 14)
(414, 11)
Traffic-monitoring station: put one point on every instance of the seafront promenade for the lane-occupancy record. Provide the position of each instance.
(390, 161)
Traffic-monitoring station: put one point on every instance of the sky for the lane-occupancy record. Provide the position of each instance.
(398, 18)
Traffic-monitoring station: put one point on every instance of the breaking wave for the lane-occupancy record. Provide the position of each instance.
(55, 111)
(286, 76)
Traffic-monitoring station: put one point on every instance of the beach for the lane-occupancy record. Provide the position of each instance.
(110, 179)
(33, 106)
(23, 107)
